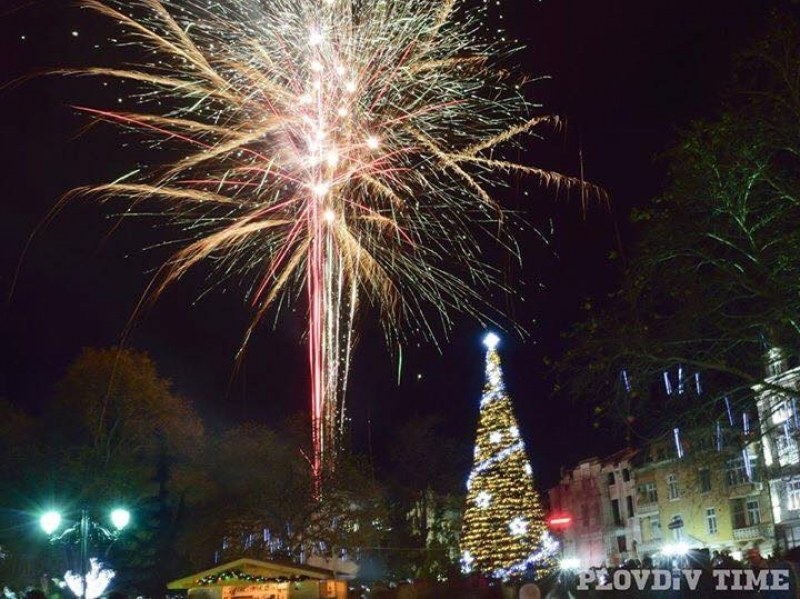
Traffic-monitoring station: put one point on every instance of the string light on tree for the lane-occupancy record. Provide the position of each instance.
(504, 532)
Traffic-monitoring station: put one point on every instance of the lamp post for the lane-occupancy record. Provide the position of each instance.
(50, 523)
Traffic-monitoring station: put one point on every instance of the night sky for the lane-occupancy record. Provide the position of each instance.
(625, 76)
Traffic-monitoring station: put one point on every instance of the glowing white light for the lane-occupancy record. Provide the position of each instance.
(495, 437)
(467, 560)
(491, 340)
(514, 432)
(315, 38)
(120, 518)
(330, 216)
(528, 469)
(97, 580)
(306, 99)
(373, 143)
(518, 527)
(483, 500)
(316, 66)
(321, 189)
(675, 549)
(332, 158)
(342, 112)
(350, 87)
(570, 563)
(50, 521)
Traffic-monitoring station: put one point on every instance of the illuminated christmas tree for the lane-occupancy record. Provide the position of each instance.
(504, 533)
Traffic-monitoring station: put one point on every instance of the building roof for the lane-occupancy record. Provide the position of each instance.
(252, 567)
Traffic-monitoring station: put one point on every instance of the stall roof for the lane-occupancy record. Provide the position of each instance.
(253, 567)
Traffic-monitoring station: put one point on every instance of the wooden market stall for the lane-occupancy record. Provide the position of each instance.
(254, 579)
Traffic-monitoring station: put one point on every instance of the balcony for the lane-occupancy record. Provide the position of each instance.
(646, 507)
(752, 533)
(649, 547)
(745, 489)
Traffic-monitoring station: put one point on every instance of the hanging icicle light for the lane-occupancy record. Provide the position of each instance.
(626, 381)
(678, 447)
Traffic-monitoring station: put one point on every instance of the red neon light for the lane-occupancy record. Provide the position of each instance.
(562, 521)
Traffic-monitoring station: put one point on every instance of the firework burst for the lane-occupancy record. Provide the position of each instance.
(344, 150)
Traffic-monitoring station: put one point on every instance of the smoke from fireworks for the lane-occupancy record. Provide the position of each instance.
(344, 150)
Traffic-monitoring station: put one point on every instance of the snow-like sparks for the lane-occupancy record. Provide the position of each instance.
(338, 148)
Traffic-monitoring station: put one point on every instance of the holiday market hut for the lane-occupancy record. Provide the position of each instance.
(254, 579)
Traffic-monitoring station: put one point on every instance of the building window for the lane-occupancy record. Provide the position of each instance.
(648, 493)
(611, 480)
(615, 512)
(705, 480)
(736, 472)
(655, 528)
(746, 513)
(622, 544)
(629, 502)
(753, 512)
(626, 475)
(672, 487)
(787, 447)
(793, 494)
(678, 532)
(711, 521)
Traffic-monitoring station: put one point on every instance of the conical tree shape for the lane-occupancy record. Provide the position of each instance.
(504, 533)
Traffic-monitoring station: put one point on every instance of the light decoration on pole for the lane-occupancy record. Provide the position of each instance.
(97, 580)
(390, 115)
(506, 536)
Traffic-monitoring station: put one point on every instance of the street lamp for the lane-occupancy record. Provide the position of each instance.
(50, 523)
(120, 518)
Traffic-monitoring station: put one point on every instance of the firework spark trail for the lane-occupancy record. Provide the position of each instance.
(346, 148)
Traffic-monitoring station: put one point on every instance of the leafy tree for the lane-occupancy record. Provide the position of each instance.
(714, 281)
(115, 433)
(260, 502)
(427, 496)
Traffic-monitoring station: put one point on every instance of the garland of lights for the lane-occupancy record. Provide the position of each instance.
(238, 575)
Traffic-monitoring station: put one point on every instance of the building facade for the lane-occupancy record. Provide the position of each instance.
(600, 497)
(702, 492)
(776, 400)
(675, 494)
